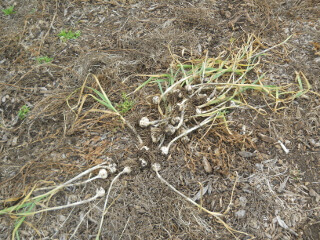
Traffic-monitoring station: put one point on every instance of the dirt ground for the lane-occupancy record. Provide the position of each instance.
(276, 194)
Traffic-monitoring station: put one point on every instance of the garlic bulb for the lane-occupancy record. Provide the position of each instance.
(144, 122)
(156, 167)
(156, 100)
(156, 134)
(165, 150)
(170, 130)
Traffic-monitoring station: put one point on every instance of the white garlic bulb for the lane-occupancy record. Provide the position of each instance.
(144, 122)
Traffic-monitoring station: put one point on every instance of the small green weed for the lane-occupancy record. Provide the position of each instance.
(33, 10)
(43, 59)
(125, 105)
(23, 111)
(102, 98)
(8, 11)
(67, 35)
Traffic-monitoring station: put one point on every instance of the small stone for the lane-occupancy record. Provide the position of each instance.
(243, 201)
(3, 99)
(240, 213)
(254, 224)
(313, 193)
(61, 218)
(227, 14)
(202, 96)
(206, 165)
(259, 166)
(14, 141)
(217, 152)
(246, 154)
(264, 156)
(278, 147)
(266, 138)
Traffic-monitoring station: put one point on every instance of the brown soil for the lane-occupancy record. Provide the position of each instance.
(119, 42)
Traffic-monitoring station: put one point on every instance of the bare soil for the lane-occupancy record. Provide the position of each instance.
(121, 41)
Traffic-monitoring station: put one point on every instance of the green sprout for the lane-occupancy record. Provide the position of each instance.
(125, 105)
(8, 11)
(23, 111)
(68, 35)
(43, 59)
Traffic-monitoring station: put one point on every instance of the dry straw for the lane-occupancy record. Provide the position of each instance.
(101, 97)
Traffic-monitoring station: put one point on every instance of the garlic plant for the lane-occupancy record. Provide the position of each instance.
(25, 207)
(202, 92)
(103, 174)
(100, 192)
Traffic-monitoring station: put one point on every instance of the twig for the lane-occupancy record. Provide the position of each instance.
(51, 24)
(156, 167)
(234, 186)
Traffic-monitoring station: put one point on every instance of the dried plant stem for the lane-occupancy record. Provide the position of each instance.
(81, 220)
(125, 170)
(217, 215)
(231, 198)
(268, 49)
(134, 131)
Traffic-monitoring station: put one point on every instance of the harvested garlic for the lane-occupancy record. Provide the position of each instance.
(144, 122)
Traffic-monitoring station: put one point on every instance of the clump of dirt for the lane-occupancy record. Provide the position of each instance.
(276, 193)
